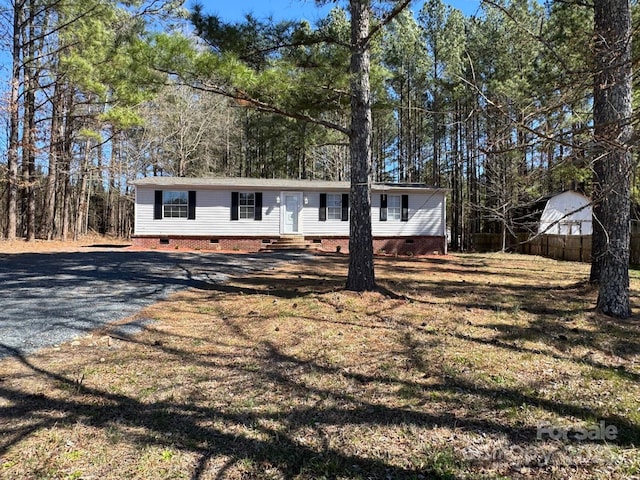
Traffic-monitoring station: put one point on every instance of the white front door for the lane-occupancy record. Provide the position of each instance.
(292, 202)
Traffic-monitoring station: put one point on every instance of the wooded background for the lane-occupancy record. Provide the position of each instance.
(496, 107)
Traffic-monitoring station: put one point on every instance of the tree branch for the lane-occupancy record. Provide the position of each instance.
(245, 100)
(387, 19)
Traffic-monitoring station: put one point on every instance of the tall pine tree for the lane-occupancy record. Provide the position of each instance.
(613, 167)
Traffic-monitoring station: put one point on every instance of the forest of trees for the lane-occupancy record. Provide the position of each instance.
(497, 107)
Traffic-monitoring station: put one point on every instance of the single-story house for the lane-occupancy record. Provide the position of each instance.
(250, 214)
(568, 213)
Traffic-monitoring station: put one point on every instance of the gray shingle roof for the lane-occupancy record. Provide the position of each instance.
(269, 184)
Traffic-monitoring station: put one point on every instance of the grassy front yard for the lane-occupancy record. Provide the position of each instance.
(447, 372)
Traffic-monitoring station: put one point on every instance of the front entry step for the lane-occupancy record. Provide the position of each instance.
(291, 242)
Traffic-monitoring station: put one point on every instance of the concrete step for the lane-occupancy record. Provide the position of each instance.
(291, 242)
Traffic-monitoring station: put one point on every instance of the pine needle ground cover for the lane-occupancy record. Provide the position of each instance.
(464, 366)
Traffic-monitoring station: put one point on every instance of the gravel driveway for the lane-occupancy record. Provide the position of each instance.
(46, 299)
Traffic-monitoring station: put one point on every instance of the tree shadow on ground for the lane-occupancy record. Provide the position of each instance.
(295, 439)
(551, 306)
(188, 426)
(185, 426)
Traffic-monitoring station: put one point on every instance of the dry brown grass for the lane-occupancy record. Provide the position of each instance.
(444, 373)
(92, 241)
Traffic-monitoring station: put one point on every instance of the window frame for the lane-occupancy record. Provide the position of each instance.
(394, 212)
(175, 204)
(385, 208)
(246, 206)
(334, 211)
(159, 203)
(250, 210)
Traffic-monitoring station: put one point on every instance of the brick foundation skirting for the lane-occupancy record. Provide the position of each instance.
(391, 245)
(240, 244)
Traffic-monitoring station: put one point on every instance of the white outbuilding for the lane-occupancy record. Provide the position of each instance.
(568, 213)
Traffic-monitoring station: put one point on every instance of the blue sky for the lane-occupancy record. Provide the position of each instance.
(235, 10)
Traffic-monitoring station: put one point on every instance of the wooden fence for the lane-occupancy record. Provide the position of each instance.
(576, 248)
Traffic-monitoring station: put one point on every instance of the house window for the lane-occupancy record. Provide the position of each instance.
(247, 205)
(175, 204)
(169, 204)
(394, 207)
(334, 207)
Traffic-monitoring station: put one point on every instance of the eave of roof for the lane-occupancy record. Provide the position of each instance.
(271, 184)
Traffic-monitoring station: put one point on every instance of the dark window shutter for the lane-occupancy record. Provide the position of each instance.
(257, 211)
(235, 207)
(191, 215)
(405, 208)
(345, 207)
(322, 213)
(157, 205)
(383, 207)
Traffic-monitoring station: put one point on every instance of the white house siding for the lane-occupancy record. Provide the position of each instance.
(213, 216)
(312, 225)
(426, 215)
(568, 213)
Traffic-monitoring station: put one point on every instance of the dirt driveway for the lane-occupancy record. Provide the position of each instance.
(49, 298)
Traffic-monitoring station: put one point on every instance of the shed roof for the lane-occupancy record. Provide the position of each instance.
(272, 184)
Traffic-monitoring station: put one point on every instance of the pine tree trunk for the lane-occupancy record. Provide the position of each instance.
(48, 224)
(361, 275)
(63, 165)
(14, 125)
(435, 167)
(83, 203)
(598, 235)
(612, 115)
(29, 125)
(65, 181)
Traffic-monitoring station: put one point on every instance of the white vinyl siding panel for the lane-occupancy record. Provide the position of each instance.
(425, 216)
(213, 216)
(313, 226)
